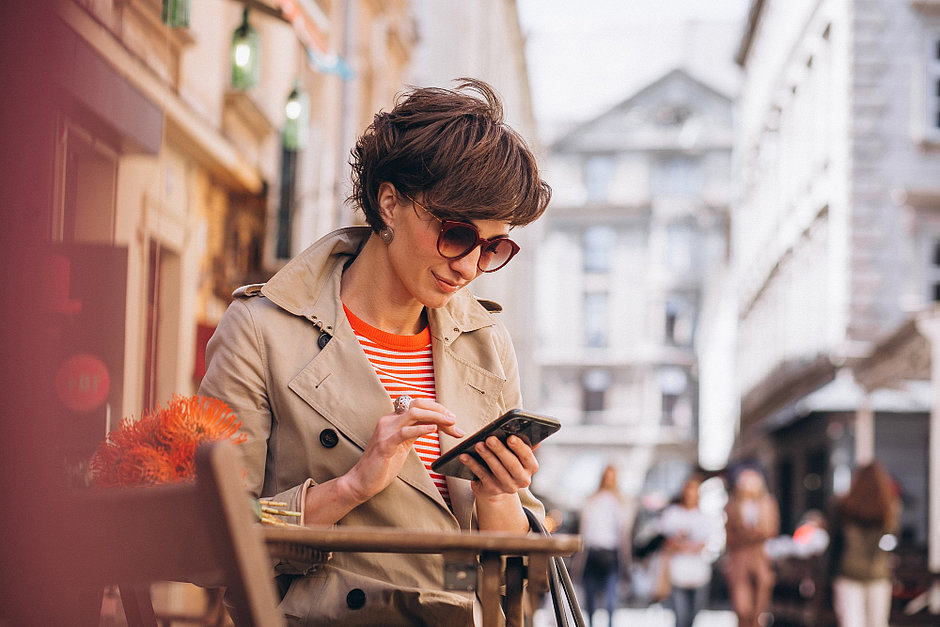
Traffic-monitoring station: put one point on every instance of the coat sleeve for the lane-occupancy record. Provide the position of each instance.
(235, 373)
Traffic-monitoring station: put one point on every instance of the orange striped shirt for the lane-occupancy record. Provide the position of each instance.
(404, 366)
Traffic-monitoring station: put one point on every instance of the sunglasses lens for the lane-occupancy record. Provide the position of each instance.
(457, 240)
(495, 255)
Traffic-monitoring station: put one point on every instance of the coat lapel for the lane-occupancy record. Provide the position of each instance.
(469, 391)
(341, 385)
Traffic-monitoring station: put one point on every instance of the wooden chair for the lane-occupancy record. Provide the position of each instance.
(201, 532)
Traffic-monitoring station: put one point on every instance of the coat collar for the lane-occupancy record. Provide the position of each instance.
(299, 287)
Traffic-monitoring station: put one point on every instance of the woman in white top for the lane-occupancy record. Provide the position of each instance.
(687, 530)
(602, 528)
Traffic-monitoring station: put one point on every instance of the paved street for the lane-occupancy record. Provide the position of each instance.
(653, 616)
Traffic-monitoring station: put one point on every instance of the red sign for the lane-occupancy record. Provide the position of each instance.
(82, 382)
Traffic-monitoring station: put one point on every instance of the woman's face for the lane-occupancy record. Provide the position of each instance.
(424, 274)
(750, 484)
(690, 494)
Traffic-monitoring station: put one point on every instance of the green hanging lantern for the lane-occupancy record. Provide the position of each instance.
(176, 13)
(246, 55)
(296, 119)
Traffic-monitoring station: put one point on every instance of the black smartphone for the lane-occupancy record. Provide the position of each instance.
(532, 428)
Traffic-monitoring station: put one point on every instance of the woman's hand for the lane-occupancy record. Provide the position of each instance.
(508, 468)
(391, 442)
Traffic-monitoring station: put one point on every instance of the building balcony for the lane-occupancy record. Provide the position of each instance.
(595, 429)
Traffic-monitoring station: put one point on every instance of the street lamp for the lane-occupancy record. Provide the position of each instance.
(296, 119)
(176, 13)
(246, 53)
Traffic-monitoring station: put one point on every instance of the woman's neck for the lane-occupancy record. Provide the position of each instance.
(372, 291)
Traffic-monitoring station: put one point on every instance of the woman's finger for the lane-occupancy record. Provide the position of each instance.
(501, 474)
(414, 432)
(426, 411)
(512, 458)
(480, 471)
(524, 453)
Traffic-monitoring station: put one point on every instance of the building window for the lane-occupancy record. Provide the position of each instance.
(595, 319)
(598, 248)
(933, 270)
(932, 91)
(932, 85)
(598, 171)
(287, 202)
(672, 314)
(669, 409)
(672, 383)
(87, 186)
(677, 176)
(678, 321)
(594, 386)
(680, 247)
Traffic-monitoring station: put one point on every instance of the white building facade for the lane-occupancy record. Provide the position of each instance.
(835, 239)
(637, 220)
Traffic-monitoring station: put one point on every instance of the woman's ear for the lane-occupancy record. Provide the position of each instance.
(388, 202)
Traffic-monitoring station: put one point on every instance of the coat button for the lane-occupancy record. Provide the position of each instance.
(323, 339)
(328, 438)
(355, 599)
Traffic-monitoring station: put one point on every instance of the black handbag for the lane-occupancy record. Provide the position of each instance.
(564, 599)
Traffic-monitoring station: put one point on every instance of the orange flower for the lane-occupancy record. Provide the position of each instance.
(160, 447)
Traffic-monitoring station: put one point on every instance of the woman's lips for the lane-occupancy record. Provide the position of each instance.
(446, 285)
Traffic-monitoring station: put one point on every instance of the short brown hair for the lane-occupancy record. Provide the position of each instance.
(454, 148)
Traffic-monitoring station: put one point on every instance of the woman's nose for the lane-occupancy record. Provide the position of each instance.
(467, 265)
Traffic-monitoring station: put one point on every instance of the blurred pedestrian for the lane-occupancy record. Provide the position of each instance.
(688, 530)
(603, 518)
(752, 518)
(861, 562)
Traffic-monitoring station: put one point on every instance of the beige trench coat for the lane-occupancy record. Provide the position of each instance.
(285, 359)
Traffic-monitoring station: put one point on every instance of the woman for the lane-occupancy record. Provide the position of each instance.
(862, 585)
(687, 530)
(313, 360)
(602, 529)
(752, 518)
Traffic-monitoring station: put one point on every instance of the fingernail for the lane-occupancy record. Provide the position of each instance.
(451, 414)
(459, 431)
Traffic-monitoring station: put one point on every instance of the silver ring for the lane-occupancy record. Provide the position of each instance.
(402, 403)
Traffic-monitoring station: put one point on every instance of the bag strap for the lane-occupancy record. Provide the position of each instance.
(564, 599)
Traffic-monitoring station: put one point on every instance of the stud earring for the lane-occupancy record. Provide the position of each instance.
(387, 234)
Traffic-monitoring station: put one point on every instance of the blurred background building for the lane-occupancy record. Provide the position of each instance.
(638, 222)
(834, 238)
(198, 146)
